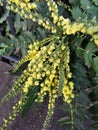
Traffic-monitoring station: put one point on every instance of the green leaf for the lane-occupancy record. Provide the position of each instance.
(94, 109)
(80, 76)
(41, 32)
(28, 104)
(84, 99)
(96, 2)
(95, 117)
(32, 95)
(80, 115)
(89, 52)
(95, 124)
(79, 125)
(95, 64)
(85, 4)
(65, 120)
(20, 69)
(17, 23)
(3, 18)
(74, 2)
(76, 12)
(92, 11)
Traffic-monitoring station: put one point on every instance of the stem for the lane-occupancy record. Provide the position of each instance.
(72, 117)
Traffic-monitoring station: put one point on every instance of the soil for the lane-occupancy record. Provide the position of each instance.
(35, 118)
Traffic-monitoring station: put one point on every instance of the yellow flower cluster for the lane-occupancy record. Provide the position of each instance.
(51, 79)
(54, 10)
(25, 7)
(51, 105)
(16, 109)
(31, 54)
(17, 87)
(43, 71)
(23, 4)
(48, 68)
(68, 91)
(1, 2)
(36, 65)
(96, 41)
(95, 37)
(68, 86)
(70, 28)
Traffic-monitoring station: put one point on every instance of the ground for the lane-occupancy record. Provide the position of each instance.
(35, 117)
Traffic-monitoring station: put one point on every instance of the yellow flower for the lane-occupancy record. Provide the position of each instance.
(23, 5)
(25, 90)
(53, 91)
(42, 84)
(68, 30)
(68, 101)
(38, 76)
(40, 21)
(48, 72)
(43, 74)
(63, 47)
(96, 41)
(61, 18)
(36, 83)
(10, 117)
(46, 89)
(5, 121)
(51, 76)
(71, 85)
(72, 95)
(33, 6)
(40, 65)
(69, 75)
(20, 102)
(47, 81)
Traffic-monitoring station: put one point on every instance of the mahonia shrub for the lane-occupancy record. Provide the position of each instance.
(48, 71)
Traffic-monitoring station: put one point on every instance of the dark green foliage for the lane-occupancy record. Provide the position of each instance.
(26, 32)
(84, 58)
(32, 95)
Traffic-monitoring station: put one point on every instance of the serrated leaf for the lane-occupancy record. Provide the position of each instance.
(80, 78)
(17, 23)
(92, 11)
(76, 12)
(84, 99)
(96, 2)
(85, 4)
(3, 18)
(88, 53)
(74, 2)
(41, 32)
